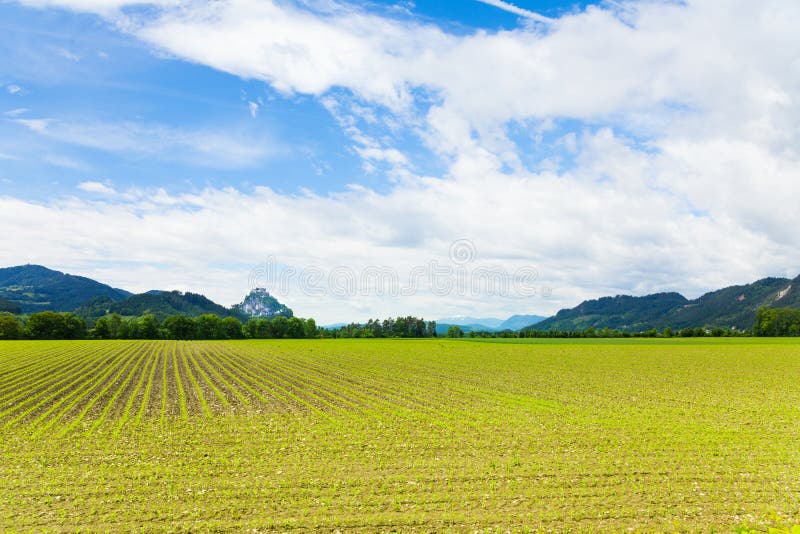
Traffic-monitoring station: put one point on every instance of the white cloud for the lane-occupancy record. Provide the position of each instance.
(13, 89)
(66, 162)
(96, 187)
(35, 125)
(253, 106)
(388, 155)
(15, 112)
(511, 8)
(68, 55)
(204, 147)
(584, 236)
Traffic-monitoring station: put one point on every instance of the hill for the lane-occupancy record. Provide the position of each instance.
(35, 288)
(517, 322)
(162, 304)
(259, 303)
(10, 307)
(622, 312)
(487, 324)
(734, 306)
(730, 307)
(441, 328)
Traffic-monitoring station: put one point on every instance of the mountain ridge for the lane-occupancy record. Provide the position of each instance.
(732, 307)
(37, 288)
(490, 324)
(161, 304)
(26, 289)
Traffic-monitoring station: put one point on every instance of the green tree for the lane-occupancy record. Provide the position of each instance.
(10, 327)
(296, 328)
(265, 330)
(250, 329)
(310, 328)
(231, 328)
(101, 329)
(777, 322)
(179, 327)
(209, 326)
(454, 331)
(115, 327)
(699, 332)
(280, 327)
(430, 329)
(52, 325)
(148, 327)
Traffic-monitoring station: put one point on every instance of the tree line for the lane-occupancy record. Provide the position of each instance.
(53, 325)
(403, 327)
(770, 322)
(457, 332)
(667, 332)
(777, 322)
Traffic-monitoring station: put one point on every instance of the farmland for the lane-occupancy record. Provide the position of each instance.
(400, 435)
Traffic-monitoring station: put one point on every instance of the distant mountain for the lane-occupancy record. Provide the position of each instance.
(441, 328)
(518, 322)
(35, 288)
(731, 307)
(162, 304)
(487, 323)
(334, 325)
(259, 303)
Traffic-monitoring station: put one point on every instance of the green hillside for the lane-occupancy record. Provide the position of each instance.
(161, 304)
(622, 312)
(734, 306)
(10, 307)
(35, 288)
(731, 307)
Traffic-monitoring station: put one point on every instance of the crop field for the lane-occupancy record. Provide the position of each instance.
(392, 435)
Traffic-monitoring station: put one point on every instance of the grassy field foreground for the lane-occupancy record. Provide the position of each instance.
(384, 435)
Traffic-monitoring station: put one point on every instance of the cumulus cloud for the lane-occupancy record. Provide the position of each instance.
(580, 234)
(96, 187)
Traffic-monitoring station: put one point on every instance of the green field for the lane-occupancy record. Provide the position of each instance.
(383, 435)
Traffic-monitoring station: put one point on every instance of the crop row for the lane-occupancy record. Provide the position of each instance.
(380, 435)
(65, 387)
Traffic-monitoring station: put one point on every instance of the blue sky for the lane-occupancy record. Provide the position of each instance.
(71, 67)
(606, 145)
(74, 67)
